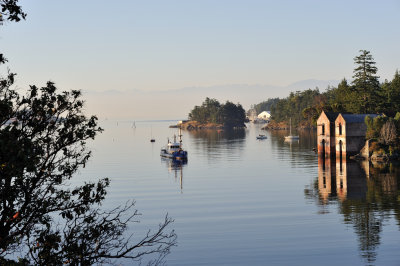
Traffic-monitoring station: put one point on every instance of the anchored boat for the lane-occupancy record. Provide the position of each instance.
(261, 136)
(291, 137)
(174, 149)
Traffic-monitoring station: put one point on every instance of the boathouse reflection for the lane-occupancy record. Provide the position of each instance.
(326, 177)
(367, 195)
(342, 179)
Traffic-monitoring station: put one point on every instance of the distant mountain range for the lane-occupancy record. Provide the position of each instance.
(248, 94)
(176, 104)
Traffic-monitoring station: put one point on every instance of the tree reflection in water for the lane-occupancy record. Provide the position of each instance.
(367, 195)
(210, 143)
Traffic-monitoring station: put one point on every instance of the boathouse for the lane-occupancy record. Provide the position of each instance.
(340, 134)
(326, 133)
(350, 132)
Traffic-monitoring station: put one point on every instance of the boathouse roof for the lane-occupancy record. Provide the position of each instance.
(357, 118)
(331, 116)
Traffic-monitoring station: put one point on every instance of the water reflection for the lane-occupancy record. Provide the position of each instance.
(215, 143)
(175, 167)
(300, 153)
(366, 194)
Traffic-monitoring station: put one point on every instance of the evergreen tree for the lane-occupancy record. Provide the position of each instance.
(265, 105)
(211, 111)
(366, 83)
(341, 98)
(394, 94)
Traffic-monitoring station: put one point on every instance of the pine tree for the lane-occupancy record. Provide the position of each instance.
(366, 83)
(394, 97)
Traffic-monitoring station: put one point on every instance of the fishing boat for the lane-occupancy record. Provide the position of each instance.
(261, 136)
(174, 150)
(291, 137)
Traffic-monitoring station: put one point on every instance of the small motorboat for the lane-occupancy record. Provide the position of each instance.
(261, 136)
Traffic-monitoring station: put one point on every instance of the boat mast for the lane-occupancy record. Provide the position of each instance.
(180, 138)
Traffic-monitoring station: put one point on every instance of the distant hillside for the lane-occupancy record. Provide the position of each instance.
(248, 94)
(176, 104)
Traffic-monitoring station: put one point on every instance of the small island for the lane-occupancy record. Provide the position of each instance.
(214, 115)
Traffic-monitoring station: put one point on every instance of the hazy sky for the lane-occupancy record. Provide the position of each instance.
(162, 45)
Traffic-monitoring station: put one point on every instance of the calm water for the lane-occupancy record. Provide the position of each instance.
(241, 201)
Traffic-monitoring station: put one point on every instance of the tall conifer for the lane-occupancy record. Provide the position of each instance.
(366, 82)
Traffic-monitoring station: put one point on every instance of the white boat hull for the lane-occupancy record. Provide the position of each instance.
(289, 138)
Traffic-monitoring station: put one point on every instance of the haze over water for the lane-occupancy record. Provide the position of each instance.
(241, 201)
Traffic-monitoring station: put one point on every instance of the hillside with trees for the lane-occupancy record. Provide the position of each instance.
(265, 105)
(364, 94)
(213, 112)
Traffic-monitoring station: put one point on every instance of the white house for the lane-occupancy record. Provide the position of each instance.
(265, 115)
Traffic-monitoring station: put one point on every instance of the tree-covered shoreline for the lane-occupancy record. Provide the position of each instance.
(364, 94)
(215, 114)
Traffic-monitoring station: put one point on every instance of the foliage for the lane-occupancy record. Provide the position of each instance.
(11, 11)
(391, 92)
(44, 220)
(374, 126)
(366, 83)
(341, 98)
(388, 132)
(363, 95)
(211, 111)
(396, 120)
(385, 132)
(297, 106)
(265, 105)
(43, 139)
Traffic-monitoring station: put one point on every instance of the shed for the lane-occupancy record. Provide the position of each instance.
(350, 130)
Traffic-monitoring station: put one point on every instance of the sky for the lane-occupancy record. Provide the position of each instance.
(133, 52)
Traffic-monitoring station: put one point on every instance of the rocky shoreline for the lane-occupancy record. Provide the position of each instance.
(372, 153)
(194, 125)
(376, 157)
(272, 125)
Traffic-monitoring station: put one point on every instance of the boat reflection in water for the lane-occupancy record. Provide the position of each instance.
(176, 168)
(366, 195)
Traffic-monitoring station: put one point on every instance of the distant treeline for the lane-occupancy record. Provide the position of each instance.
(266, 105)
(212, 111)
(365, 94)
